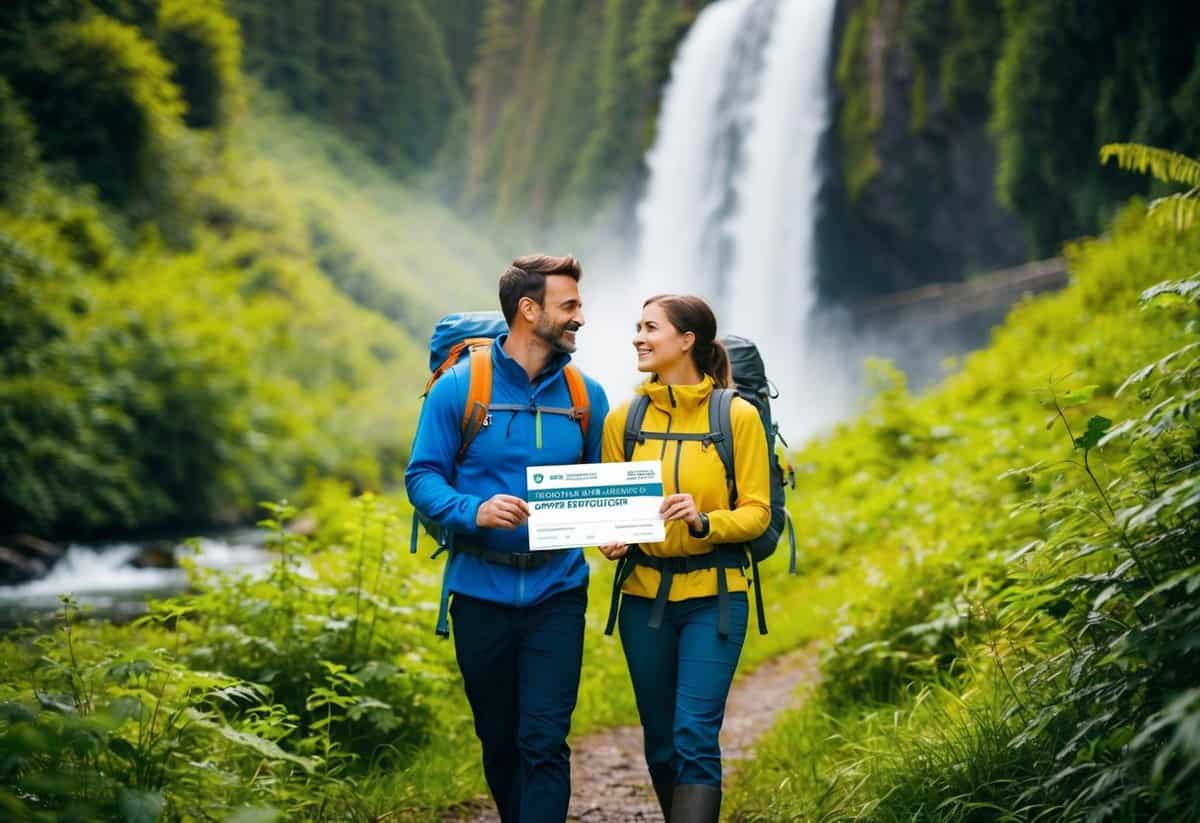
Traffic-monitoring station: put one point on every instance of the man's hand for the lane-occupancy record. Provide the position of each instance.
(613, 551)
(681, 507)
(502, 511)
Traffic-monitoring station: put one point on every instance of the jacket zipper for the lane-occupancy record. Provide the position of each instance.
(678, 452)
(663, 454)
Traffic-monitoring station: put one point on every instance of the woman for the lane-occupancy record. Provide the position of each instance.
(683, 603)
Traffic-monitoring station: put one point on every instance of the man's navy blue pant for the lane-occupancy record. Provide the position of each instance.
(681, 676)
(521, 671)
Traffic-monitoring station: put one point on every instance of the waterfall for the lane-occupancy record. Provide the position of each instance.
(729, 210)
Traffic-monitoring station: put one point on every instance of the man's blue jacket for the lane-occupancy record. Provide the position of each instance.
(451, 492)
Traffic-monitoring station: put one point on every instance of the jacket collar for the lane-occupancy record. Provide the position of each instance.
(670, 398)
(514, 372)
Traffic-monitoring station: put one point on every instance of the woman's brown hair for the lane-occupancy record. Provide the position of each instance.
(688, 313)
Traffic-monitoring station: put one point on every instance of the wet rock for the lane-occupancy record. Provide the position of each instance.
(35, 547)
(24, 557)
(155, 556)
(17, 568)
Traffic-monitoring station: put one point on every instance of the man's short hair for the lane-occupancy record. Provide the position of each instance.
(526, 277)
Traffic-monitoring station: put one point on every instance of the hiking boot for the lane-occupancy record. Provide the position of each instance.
(695, 803)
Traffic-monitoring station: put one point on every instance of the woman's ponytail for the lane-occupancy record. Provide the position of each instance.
(719, 367)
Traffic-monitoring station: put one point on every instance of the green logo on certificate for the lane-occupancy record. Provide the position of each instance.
(538, 478)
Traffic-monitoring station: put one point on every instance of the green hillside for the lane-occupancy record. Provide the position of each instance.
(1006, 570)
(528, 113)
(206, 301)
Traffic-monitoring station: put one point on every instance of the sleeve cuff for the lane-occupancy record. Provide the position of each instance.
(470, 511)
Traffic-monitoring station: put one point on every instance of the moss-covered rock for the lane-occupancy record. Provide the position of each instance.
(914, 191)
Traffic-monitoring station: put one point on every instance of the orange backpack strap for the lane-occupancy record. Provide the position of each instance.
(479, 392)
(453, 356)
(579, 396)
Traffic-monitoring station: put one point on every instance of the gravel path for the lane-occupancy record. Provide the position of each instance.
(609, 779)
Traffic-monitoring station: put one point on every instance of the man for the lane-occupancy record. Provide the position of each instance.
(517, 617)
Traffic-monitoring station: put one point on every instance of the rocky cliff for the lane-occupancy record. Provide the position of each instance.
(967, 131)
(911, 196)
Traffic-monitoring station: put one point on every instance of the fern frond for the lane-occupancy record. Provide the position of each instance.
(1177, 210)
(1168, 166)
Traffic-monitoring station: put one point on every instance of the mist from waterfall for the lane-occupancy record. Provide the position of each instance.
(730, 205)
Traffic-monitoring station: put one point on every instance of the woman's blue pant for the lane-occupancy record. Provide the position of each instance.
(681, 675)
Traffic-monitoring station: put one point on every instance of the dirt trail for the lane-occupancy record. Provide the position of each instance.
(608, 774)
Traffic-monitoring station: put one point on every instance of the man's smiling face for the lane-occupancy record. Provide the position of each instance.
(562, 313)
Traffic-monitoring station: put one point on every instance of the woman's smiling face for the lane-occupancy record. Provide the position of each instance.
(659, 344)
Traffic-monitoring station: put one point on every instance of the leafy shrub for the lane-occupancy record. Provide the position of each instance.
(18, 147)
(914, 634)
(203, 45)
(1122, 560)
(121, 405)
(327, 633)
(104, 105)
(100, 733)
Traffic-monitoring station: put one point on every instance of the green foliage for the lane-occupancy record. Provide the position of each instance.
(102, 100)
(127, 402)
(1101, 75)
(203, 45)
(326, 631)
(1053, 79)
(89, 731)
(18, 148)
(375, 70)
(1032, 653)
(861, 112)
(563, 102)
(1179, 209)
(957, 42)
(347, 270)
(146, 384)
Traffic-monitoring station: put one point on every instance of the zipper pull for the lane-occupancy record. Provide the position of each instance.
(537, 427)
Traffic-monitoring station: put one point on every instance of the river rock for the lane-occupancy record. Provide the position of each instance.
(159, 555)
(24, 557)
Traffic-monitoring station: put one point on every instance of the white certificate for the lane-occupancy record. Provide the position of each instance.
(586, 505)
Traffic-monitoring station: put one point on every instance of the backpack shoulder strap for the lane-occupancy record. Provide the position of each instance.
(579, 396)
(720, 421)
(479, 394)
(452, 357)
(633, 423)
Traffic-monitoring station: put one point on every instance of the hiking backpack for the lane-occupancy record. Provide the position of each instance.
(751, 384)
(472, 334)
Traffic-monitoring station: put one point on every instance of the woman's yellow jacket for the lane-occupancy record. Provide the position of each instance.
(696, 468)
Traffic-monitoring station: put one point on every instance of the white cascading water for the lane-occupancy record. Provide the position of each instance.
(730, 206)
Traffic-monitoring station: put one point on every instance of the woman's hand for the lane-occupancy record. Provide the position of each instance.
(613, 551)
(681, 507)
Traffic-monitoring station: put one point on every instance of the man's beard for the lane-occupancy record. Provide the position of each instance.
(553, 335)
